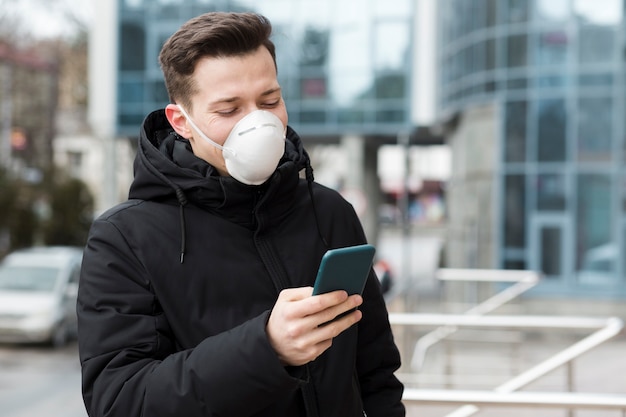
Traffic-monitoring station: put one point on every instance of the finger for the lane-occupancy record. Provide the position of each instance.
(321, 302)
(333, 312)
(295, 294)
(321, 339)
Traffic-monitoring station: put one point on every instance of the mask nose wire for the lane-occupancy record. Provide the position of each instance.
(201, 133)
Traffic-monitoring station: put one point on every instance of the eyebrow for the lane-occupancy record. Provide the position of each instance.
(233, 99)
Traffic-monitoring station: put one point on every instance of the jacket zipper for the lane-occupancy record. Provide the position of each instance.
(281, 280)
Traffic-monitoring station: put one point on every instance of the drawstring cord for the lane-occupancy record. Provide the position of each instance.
(182, 201)
(309, 179)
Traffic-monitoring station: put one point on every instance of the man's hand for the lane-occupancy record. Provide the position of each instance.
(295, 326)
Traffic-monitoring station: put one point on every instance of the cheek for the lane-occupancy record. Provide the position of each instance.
(282, 115)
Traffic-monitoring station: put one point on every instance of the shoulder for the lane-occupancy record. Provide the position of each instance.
(115, 211)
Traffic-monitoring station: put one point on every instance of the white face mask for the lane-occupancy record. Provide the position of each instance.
(253, 148)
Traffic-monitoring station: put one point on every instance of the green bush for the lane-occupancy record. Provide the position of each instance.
(71, 208)
(56, 212)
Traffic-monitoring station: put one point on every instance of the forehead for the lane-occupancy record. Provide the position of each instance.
(218, 78)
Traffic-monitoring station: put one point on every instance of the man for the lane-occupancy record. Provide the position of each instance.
(195, 295)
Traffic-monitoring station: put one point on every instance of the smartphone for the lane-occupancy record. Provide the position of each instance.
(344, 269)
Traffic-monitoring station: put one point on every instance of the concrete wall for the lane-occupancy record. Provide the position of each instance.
(472, 192)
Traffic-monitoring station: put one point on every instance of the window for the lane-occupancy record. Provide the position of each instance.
(551, 130)
(516, 51)
(551, 192)
(594, 128)
(515, 132)
(132, 47)
(596, 253)
(514, 211)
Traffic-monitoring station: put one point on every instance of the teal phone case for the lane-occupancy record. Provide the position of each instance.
(344, 269)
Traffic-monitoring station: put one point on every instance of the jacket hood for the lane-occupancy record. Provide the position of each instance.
(165, 168)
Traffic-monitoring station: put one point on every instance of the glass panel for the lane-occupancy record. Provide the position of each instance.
(492, 12)
(514, 211)
(551, 131)
(478, 54)
(517, 10)
(517, 83)
(551, 81)
(551, 251)
(595, 129)
(391, 86)
(590, 37)
(591, 80)
(516, 51)
(312, 88)
(551, 194)
(623, 190)
(490, 54)
(552, 47)
(132, 120)
(514, 264)
(312, 116)
(595, 251)
(515, 132)
(390, 115)
(351, 116)
(131, 92)
(132, 47)
(623, 251)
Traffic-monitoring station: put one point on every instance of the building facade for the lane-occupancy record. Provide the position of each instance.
(344, 65)
(531, 93)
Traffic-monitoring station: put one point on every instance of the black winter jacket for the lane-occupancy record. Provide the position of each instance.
(178, 282)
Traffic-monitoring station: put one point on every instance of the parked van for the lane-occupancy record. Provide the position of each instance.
(38, 290)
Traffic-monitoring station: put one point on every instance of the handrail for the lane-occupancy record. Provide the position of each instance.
(500, 321)
(607, 328)
(523, 279)
(517, 399)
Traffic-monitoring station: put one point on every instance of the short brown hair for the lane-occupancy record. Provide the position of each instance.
(214, 34)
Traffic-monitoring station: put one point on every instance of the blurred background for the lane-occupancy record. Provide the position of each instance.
(470, 135)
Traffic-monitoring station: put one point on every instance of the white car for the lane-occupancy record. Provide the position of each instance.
(38, 289)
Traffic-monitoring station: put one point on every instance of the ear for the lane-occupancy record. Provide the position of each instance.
(177, 120)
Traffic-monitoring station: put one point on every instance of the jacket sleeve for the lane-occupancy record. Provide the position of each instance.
(130, 364)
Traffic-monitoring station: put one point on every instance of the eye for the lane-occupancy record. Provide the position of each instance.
(227, 112)
(272, 103)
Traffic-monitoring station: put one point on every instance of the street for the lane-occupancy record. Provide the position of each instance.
(40, 381)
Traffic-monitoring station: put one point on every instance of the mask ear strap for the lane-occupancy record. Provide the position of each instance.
(197, 129)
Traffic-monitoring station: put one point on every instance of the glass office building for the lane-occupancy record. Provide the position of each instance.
(555, 71)
(344, 65)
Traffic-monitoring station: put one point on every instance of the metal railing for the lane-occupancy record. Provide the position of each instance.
(504, 394)
(523, 281)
